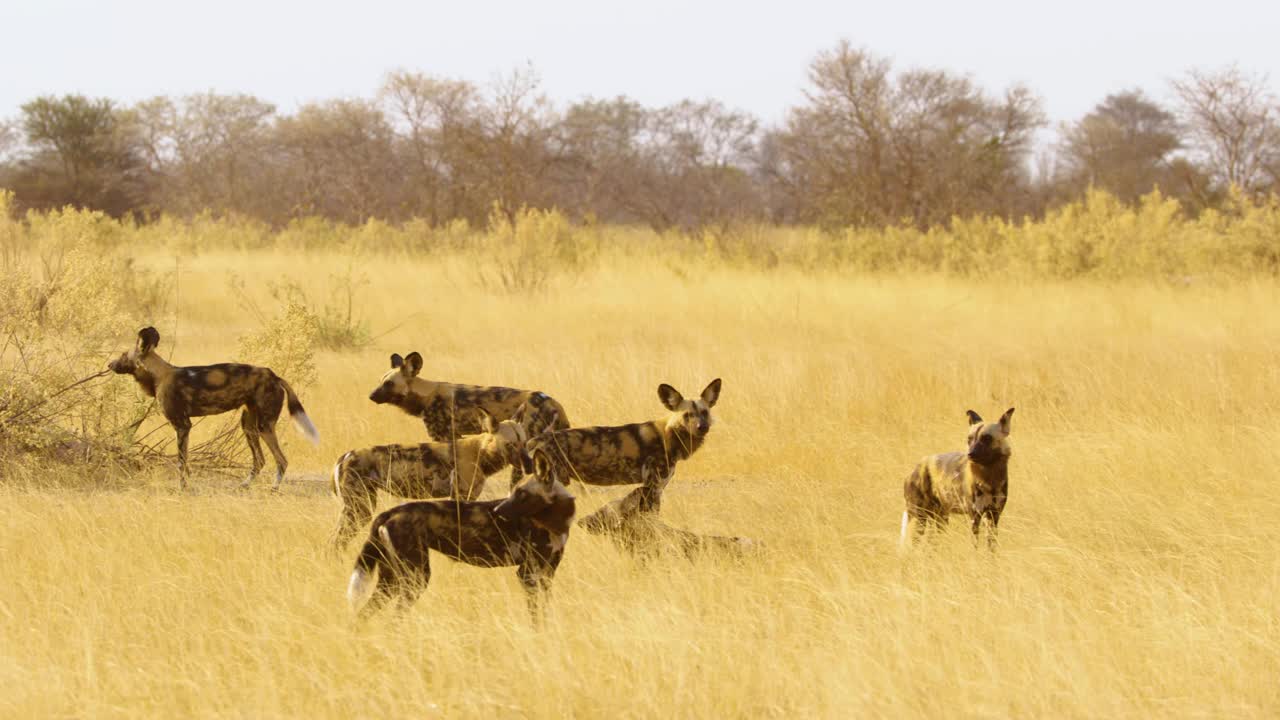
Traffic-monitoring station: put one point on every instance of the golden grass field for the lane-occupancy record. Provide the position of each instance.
(1138, 574)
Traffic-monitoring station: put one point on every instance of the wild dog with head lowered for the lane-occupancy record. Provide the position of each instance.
(186, 392)
(428, 470)
(642, 533)
(529, 530)
(974, 482)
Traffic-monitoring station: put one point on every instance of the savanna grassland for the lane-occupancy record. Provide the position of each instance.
(1138, 573)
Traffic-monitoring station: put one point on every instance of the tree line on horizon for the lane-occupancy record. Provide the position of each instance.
(869, 146)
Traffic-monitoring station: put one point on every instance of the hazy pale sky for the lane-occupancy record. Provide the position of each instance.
(751, 56)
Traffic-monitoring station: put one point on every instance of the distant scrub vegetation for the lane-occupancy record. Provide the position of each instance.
(870, 146)
(1098, 236)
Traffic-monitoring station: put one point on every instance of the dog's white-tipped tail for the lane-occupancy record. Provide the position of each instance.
(363, 575)
(906, 526)
(358, 587)
(300, 419)
(337, 473)
(305, 426)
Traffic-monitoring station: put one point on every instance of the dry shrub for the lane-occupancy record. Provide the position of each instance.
(286, 343)
(524, 250)
(62, 311)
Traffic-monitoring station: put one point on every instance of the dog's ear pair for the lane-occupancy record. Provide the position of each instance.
(148, 339)
(671, 398)
(975, 418)
(410, 366)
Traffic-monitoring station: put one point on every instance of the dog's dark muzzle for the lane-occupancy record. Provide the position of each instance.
(378, 396)
(982, 455)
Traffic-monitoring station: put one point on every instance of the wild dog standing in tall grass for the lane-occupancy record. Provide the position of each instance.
(974, 482)
(428, 470)
(644, 453)
(529, 530)
(449, 410)
(186, 392)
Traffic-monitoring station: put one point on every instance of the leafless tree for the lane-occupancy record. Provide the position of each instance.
(340, 161)
(431, 117)
(1233, 122)
(870, 147)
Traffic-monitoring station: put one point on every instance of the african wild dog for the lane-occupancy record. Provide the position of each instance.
(644, 453)
(640, 532)
(186, 392)
(449, 410)
(425, 471)
(973, 483)
(529, 530)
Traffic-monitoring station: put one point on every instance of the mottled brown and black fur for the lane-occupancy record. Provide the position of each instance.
(528, 530)
(186, 392)
(641, 453)
(450, 410)
(974, 482)
(424, 471)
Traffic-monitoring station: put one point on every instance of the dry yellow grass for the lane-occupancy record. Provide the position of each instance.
(1138, 575)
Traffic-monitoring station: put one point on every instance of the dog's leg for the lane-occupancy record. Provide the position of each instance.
(993, 517)
(535, 575)
(357, 509)
(282, 463)
(249, 424)
(184, 434)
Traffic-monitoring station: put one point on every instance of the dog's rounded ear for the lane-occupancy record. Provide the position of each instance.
(148, 339)
(712, 393)
(974, 418)
(396, 361)
(1004, 421)
(669, 396)
(544, 469)
(412, 364)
